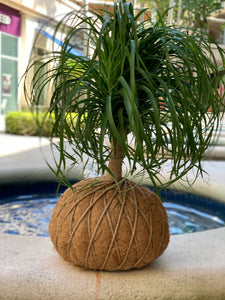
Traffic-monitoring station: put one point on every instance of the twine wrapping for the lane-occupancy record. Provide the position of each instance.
(101, 226)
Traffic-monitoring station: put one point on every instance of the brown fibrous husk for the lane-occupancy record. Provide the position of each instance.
(103, 226)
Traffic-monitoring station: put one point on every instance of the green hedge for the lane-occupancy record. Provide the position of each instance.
(27, 123)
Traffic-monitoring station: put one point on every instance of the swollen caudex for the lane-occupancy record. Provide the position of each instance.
(102, 226)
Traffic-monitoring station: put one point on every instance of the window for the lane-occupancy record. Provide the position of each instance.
(8, 72)
(9, 45)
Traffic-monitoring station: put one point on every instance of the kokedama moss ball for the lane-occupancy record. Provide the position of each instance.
(98, 225)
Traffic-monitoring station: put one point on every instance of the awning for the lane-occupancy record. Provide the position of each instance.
(60, 43)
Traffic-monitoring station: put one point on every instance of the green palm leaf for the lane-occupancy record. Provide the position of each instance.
(139, 78)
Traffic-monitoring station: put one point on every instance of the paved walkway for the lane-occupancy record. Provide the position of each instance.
(19, 155)
(24, 158)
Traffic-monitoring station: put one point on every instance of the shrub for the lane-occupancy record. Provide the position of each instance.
(28, 123)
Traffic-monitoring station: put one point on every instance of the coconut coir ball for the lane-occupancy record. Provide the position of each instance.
(103, 226)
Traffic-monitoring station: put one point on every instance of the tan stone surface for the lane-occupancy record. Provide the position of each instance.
(193, 267)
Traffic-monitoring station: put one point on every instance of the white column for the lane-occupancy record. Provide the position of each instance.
(170, 13)
(179, 12)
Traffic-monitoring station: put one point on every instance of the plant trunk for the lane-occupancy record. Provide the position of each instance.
(115, 163)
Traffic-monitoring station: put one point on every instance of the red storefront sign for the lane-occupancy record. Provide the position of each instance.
(10, 20)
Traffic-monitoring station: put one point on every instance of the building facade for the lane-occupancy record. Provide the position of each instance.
(10, 35)
(20, 21)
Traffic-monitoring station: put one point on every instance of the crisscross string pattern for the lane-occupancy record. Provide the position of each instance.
(101, 226)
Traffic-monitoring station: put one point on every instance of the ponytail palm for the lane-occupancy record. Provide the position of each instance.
(149, 82)
(137, 78)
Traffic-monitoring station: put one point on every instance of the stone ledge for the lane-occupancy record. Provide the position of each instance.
(193, 267)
